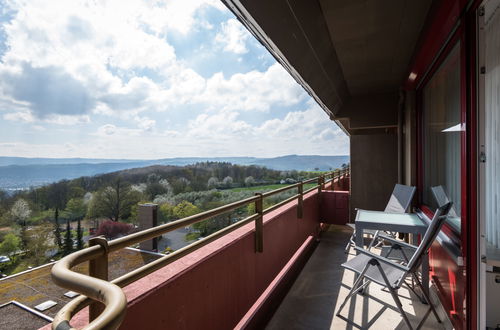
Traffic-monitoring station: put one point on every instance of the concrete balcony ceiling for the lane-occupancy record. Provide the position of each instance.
(351, 56)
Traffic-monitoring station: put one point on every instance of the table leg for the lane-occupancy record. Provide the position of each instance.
(359, 237)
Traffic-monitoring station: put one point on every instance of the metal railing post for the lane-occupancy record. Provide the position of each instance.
(259, 224)
(332, 188)
(300, 188)
(320, 184)
(98, 268)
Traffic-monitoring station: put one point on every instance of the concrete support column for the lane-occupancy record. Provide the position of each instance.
(374, 170)
(148, 218)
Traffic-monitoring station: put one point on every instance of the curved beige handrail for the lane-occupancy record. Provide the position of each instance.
(110, 293)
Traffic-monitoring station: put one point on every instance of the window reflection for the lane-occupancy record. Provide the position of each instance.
(442, 137)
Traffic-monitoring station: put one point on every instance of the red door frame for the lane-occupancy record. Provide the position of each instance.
(440, 24)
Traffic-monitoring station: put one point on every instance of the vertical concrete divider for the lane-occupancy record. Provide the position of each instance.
(148, 218)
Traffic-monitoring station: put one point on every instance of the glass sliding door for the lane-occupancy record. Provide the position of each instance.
(442, 128)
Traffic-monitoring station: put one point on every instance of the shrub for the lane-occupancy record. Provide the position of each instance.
(112, 229)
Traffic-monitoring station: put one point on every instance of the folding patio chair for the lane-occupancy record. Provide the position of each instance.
(398, 203)
(392, 275)
(441, 199)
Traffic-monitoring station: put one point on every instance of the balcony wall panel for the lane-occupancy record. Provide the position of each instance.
(214, 287)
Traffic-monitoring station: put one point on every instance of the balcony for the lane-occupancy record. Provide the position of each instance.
(237, 277)
(323, 284)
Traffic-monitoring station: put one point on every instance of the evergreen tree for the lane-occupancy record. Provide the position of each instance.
(24, 235)
(68, 241)
(57, 230)
(79, 235)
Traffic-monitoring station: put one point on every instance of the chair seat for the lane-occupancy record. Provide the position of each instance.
(397, 254)
(358, 263)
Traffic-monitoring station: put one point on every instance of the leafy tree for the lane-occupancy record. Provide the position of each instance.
(20, 211)
(75, 191)
(249, 181)
(79, 235)
(214, 224)
(161, 187)
(10, 244)
(185, 209)
(115, 202)
(93, 207)
(180, 185)
(166, 213)
(227, 182)
(75, 208)
(213, 182)
(39, 242)
(68, 240)
(87, 198)
(57, 195)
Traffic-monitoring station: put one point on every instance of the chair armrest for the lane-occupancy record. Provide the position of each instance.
(382, 259)
(395, 241)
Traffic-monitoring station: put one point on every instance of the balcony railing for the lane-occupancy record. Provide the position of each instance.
(96, 289)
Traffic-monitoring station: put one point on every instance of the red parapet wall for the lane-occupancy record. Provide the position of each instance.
(215, 286)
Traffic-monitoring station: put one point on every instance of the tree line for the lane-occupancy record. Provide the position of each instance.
(49, 217)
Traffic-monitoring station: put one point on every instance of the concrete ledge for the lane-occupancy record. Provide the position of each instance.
(261, 312)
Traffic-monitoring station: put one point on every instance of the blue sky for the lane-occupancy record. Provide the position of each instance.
(147, 79)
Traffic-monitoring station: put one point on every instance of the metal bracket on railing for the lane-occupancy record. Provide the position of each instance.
(259, 224)
(101, 241)
(321, 181)
(98, 268)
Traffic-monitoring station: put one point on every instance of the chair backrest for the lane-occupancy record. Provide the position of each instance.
(430, 235)
(400, 199)
(442, 198)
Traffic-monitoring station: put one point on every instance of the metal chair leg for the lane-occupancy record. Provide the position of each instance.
(394, 295)
(355, 287)
(426, 296)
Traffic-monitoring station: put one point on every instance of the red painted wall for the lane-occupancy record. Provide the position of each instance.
(334, 207)
(215, 286)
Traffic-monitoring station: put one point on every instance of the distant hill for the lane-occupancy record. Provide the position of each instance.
(21, 173)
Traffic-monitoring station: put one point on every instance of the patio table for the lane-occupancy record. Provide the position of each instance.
(396, 222)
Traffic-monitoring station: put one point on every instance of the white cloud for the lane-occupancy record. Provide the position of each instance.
(233, 37)
(19, 116)
(145, 123)
(88, 57)
(253, 90)
(108, 129)
(109, 65)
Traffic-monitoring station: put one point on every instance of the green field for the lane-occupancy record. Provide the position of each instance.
(268, 187)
